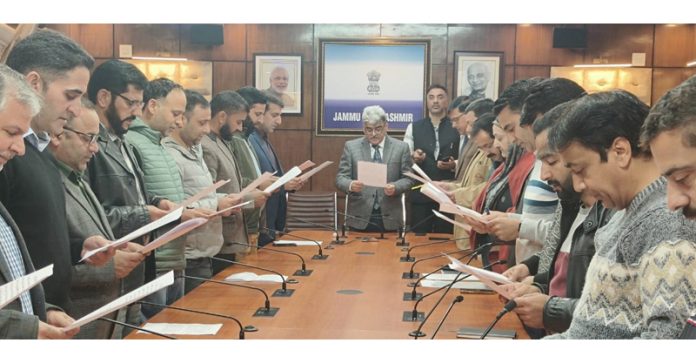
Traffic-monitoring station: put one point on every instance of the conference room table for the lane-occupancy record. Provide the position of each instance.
(355, 293)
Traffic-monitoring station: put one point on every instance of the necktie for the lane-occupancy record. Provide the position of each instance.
(377, 157)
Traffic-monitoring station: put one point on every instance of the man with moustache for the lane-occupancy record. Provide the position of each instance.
(669, 133)
(279, 80)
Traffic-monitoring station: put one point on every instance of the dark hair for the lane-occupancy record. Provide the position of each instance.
(596, 120)
(483, 123)
(159, 88)
(115, 76)
(515, 94)
(458, 103)
(252, 96)
(272, 99)
(480, 106)
(49, 53)
(434, 86)
(677, 108)
(194, 99)
(546, 95)
(228, 101)
(552, 117)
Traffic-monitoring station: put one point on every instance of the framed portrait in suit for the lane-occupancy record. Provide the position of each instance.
(478, 74)
(280, 75)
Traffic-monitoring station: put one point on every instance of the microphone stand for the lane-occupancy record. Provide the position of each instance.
(265, 310)
(282, 292)
(336, 240)
(506, 309)
(381, 229)
(242, 329)
(411, 275)
(403, 242)
(301, 272)
(408, 257)
(319, 256)
(457, 299)
(134, 327)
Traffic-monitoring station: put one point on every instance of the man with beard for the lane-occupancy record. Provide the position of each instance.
(116, 89)
(670, 134)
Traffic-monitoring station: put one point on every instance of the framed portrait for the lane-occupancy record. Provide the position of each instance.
(356, 73)
(478, 74)
(280, 75)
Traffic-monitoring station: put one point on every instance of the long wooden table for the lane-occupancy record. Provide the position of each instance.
(356, 293)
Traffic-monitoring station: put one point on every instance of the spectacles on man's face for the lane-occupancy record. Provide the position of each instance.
(130, 103)
(374, 130)
(89, 139)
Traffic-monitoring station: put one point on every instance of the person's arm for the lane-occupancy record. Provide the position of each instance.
(344, 176)
(558, 313)
(404, 183)
(18, 325)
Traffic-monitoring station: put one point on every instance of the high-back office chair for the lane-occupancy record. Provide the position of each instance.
(310, 210)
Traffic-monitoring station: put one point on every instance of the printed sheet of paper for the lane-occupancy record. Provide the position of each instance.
(466, 227)
(182, 329)
(11, 290)
(252, 277)
(420, 172)
(372, 174)
(415, 177)
(310, 173)
(485, 276)
(463, 211)
(220, 212)
(436, 194)
(196, 197)
(127, 299)
(306, 165)
(255, 184)
(292, 173)
(166, 219)
(295, 243)
(174, 233)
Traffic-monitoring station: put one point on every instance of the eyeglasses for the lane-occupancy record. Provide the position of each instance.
(377, 130)
(85, 137)
(130, 103)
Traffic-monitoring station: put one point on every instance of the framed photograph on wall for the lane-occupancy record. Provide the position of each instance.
(356, 73)
(281, 75)
(478, 74)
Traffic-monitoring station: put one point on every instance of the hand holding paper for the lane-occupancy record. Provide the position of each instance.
(292, 173)
(490, 278)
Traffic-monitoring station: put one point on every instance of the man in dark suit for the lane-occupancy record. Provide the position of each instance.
(372, 203)
(276, 205)
(26, 317)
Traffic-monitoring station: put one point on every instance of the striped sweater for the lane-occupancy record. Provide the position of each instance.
(642, 281)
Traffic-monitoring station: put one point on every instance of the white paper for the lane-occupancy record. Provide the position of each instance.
(463, 211)
(420, 172)
(127, 299)
(485, 276)
(436, 194)
(372, 174)
(310, 173)
(292, 173)
(255, 184)
(306, 165)
(468, 285)
(166, 219)
(465, 226)
(196, 197)
(174, 233)
(220, 212)
(11, 290)
(252, 277)
(295, 243)
(182, 329)
(416, 177)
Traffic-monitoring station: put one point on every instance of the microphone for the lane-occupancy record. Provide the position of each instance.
(283, 292)
(265, 310)
(302, 272)
(418, 333)
(414, 295)
(457, 299)
(381, 229)
(411, 275)
(403, 242)
(319, 256)
(414, 313)
(337, 240)
(135, 327)
(506, 309)
(242, 329)
(408, 257)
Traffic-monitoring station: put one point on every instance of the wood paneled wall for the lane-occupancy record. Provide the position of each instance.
(528, 52)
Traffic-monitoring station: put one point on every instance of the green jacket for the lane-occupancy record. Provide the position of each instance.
(248, 170)
(161, 176)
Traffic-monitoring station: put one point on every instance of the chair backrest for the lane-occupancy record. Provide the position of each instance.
(311, 207)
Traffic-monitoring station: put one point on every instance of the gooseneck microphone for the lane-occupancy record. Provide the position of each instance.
(403, 242)
(301, 272)
(322, 226)
(457, 299)
(412, 275)
(265, 310)
(418, 332)
(381, 229)
(506, 309)
(242, 329)
(319, 256)
(134, 327)
(408, 257)
(283, 292)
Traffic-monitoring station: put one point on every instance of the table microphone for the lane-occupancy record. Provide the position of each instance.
(266, 310)
(381, 229)
(418, 333)
(410, 273)
(457, 299)
(283, 292)
(337, 239)
(135, 327)
(319, 256)
(403, 242)
(302, 272)
(506, 309)
(408, 257)
(242, 329)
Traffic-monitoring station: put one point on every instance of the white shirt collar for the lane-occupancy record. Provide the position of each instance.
(40, 141)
